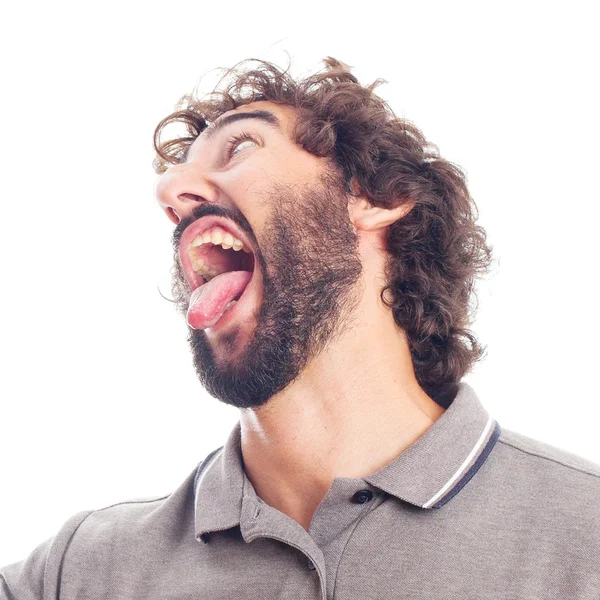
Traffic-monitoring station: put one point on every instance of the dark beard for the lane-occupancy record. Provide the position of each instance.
(310, 266)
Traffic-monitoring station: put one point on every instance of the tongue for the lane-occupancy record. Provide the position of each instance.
(208, 302)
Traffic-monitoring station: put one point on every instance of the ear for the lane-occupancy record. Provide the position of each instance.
(366, 217)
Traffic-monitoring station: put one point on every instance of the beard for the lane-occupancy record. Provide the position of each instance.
(310, 267)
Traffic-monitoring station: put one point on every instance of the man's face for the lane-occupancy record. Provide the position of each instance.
(290, 211)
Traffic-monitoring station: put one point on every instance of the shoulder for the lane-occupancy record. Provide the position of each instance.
(551, 459)
(550, 481)
(37, 575)
(123, 524)
(536, 504)
(93, 540)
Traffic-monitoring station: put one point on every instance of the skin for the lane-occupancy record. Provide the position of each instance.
(343, 400)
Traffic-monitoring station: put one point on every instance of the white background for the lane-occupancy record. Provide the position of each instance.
(99, 398)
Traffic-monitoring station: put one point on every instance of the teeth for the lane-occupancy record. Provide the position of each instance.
(199, 265)
(230, 304)
(210, 274)
(227, 241)
(217, 238)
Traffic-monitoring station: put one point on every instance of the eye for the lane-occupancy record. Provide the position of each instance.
(237, 141)
(237, 146)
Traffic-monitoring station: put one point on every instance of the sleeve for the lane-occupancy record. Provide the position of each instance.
(37, 577)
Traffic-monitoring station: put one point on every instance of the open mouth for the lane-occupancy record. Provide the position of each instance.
(217, 251)
(218, 264)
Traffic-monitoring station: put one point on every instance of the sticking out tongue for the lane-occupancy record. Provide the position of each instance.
(209, 301)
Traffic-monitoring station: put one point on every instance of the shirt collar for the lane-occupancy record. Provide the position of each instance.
(428, 474)
(433, 469)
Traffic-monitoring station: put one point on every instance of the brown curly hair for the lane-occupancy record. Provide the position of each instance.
(435, 252)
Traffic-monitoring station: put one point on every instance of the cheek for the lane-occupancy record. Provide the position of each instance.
(250, 188)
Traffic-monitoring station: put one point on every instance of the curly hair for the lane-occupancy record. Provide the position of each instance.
(436, 251)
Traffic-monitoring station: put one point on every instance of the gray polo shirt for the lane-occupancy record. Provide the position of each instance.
(468, 511)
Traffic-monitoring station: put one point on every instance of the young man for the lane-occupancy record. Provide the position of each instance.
(325, 260)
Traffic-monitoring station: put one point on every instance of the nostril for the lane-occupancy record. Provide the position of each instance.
(187, 196)
(173, 216)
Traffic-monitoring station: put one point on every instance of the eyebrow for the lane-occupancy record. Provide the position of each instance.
(262, 115)
(211, 132)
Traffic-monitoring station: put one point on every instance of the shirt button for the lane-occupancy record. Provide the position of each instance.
(311, 565)
(362, 496)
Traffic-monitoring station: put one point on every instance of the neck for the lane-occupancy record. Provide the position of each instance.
(340, 418)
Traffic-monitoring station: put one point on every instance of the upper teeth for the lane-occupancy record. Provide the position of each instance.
(217, 238)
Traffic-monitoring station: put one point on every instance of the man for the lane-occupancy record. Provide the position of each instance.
(325, 257)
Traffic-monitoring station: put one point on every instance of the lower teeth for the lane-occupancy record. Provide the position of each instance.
(230, 304)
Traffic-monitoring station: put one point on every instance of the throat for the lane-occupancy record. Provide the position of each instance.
(288, 491)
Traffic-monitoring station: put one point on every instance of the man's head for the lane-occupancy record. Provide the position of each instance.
(313, 177)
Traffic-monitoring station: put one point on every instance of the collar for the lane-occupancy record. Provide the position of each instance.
(427, 474)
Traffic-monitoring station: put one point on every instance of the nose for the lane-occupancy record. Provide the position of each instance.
(179, 190)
